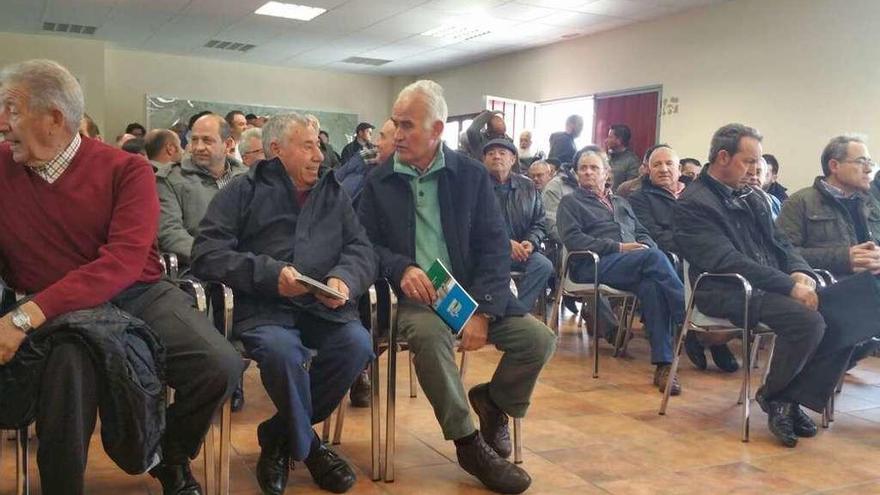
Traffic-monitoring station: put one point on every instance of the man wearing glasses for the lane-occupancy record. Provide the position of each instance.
(835, 223)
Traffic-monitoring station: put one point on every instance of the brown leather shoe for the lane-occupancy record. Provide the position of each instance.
(661, 377)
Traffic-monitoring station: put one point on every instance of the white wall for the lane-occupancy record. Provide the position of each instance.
(117, 81)
(801, 71)
(133, 74)
(84, 58)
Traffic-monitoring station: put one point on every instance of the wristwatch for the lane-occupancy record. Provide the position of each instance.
(21, 320)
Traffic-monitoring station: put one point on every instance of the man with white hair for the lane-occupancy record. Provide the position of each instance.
(251, 146)
(79, 219)
(430, 203)
(260, 236)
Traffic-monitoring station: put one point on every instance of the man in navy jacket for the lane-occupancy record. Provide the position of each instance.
(261, 232)
(426, 203)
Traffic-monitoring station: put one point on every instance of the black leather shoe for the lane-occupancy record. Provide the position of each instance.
(237, 399)
(803, 425)
(273, 466)
(176, 479)
(480, 460)
(723, 358)
(695, 351)
(361, 391)
(779, 419)
(329, 471)
(493, 421)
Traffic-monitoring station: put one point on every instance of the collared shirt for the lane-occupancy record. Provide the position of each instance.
(50, 171)
(430, 241)
(226, 178)
(835, 191)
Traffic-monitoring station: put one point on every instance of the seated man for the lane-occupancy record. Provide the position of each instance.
(259, 235)
(523, 213)
(428, 203)
(690, 169)
(541, 173)
(756, 176)
(723, 227)
(186, 188)
(353, 174)
(163, 148)
(653, 204)
(79, 220)
(592, 218)
(835, 223)
(251, 146)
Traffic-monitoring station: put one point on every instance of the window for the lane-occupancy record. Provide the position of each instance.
(552, 116)
(455, 125)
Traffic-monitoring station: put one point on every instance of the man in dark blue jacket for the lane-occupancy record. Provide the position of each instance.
(353, 174)
(260, 234)
(427, 203)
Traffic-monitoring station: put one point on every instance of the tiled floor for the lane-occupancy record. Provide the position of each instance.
(584, 436)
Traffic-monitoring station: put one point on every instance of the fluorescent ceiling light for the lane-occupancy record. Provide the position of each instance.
(457, 33)
(290, 11)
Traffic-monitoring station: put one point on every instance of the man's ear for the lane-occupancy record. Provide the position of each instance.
(230, 145)
(437, 128)
(274, 148)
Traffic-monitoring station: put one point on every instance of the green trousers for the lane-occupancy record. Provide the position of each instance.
(527, 345)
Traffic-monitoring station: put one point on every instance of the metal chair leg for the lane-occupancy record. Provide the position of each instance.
(325, 432)
(596, 332)
(22, 480)
(463, 368)
(747, 382)
(225, 448)
(210, 461)
(390, 432)
(412, 376)
(517, 441)
(340, 418)
(676, 357)
(756, 346)
(374, 417)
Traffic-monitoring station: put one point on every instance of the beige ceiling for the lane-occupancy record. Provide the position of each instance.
(382, 29)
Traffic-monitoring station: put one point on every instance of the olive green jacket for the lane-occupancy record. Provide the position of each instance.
(820, 227)
(185, 191)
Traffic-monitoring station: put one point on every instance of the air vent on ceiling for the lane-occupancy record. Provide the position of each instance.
(230, 45)
(65, 27)
(366, 61)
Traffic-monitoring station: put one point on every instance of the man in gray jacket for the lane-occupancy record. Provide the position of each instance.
(186, 188)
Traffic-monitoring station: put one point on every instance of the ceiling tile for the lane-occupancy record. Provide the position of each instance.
(572, 19)
(520, 12)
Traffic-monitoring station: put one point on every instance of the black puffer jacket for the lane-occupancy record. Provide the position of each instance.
(131, 391)
(653, 206)
(524, 211)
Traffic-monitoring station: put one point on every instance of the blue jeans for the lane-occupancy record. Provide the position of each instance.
(649, 274)
(537, 270)
(306, 371)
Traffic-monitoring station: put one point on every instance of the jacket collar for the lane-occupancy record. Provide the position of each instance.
(451, 158)
(233, 167)
(649, 187)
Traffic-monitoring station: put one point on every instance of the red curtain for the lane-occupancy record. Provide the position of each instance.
(638, 111)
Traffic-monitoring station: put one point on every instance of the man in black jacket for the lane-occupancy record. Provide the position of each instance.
(562, 145)
(593, 219)
(261, 234)
(653, 204)
(520, 203)
(722, 227)
(363, 138)
(428, 203)
(486, 126)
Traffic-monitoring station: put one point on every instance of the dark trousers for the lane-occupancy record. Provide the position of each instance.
(306, 386)
(649, 274)
(200, 365)
(810, 355)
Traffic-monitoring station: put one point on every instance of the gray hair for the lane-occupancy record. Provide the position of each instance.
(590, 150)
(539, 163)
(246, 136)
(433, 95)
(278, 125)
(728, 137)
(836, 149)
(50, 87)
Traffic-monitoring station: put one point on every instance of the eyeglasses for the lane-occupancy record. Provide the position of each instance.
(863, 162)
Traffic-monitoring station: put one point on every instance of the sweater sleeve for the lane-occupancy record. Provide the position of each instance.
(121, 261)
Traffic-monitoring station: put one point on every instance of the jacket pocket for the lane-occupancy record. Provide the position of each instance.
(826, 229)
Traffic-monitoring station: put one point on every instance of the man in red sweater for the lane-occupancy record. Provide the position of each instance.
(78, 221)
